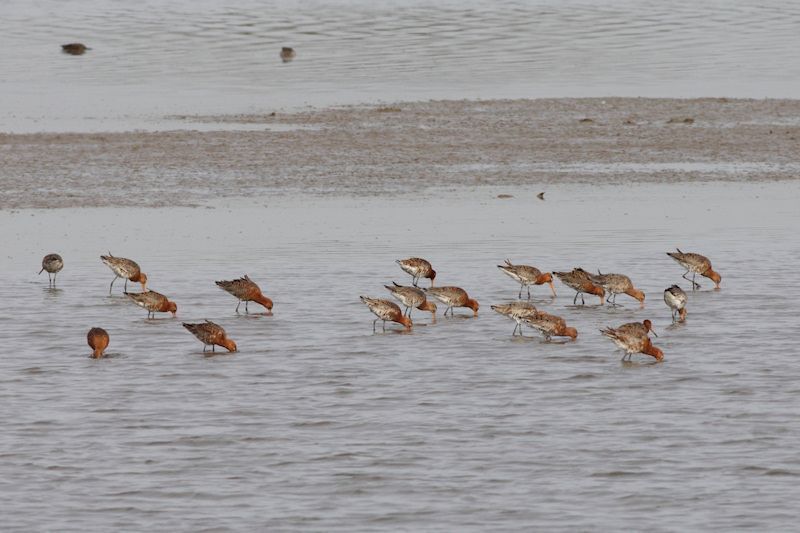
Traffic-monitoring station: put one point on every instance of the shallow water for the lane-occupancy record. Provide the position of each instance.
(151, 59)
(319, 424)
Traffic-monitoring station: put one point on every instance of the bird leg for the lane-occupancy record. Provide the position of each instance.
(384, 326)
(519, 296)
(126, 284)
(529, 292)
(373, 324)
(112, 284)
(246, 310)
(237, 307)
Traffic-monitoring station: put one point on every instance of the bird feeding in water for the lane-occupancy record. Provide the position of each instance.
(52, 263)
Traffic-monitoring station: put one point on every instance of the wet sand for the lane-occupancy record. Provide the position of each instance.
(421, 148)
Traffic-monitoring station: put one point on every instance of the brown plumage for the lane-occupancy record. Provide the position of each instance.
(453, 297)
(211, 334)
(124, 268)
(617, 284)
(246, 290)
(578, 279)
(417, 268)
(550, 325)
(287, 54)
(696, 264)
(154, 302)
(74, 49)
(97, 338)
(52, 264)
(386, 311)
(526, 276)
(633, 338)
(411, 297)
(516, 311)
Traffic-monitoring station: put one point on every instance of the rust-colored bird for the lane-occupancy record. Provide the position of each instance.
(578, 279)
(97, 338)
(154, 302)
(386, 311)
(516, 311)
(211, 334)
(696, 264)
(417, 268)
(453, 297)
(124, 268)
(617, 284)
(526, 276)
(550, 326)
(74, 49)
(633, 338)
(246, 290)
(412, 297)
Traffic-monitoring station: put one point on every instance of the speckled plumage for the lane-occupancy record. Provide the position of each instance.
(417, 268)
(411, 297)
(126, 269)
(211, 334)
(526, 276)
(550, 325)
(453, 297)
(245, 290)
(385, 310)
(696, 264)
(616, 284)
(52, 264)
(516, 311)
(633, 339)
(578, 280)
(153, 301)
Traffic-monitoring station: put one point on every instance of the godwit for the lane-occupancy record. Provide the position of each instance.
(675, 299)
(412, 297)
(617, 284)
(154, 302)
(287, 54)
(550, 325)
(578, 279)
(516, 311)
(124, 268)
(633, 338)
(53, 264)
(417, 268)
(453, 297)
(386, 310)
(696, 264)
(74, 49)
(526, 276)
(97, 338)
(211, 334)
(246, 291)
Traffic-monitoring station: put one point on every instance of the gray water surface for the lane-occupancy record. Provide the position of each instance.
(151, 59)
(319, 424)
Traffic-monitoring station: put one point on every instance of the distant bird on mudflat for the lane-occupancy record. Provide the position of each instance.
(246, 290)
(154, 302)
(633, 338)
(417, 268)
(52, 263)
(696, 264)
(578, 279)
(675, 299)
(526, 276)
(453, 297)
(540, 196)
(386, 311)
(412, 297)
(550, 326)
(74, 49)
(211, 334)
(516, 311)
(97, 338)
(124, 268)
(287, 54)
(617, 284)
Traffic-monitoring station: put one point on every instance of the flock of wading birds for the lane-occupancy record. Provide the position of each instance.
(632, 337)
